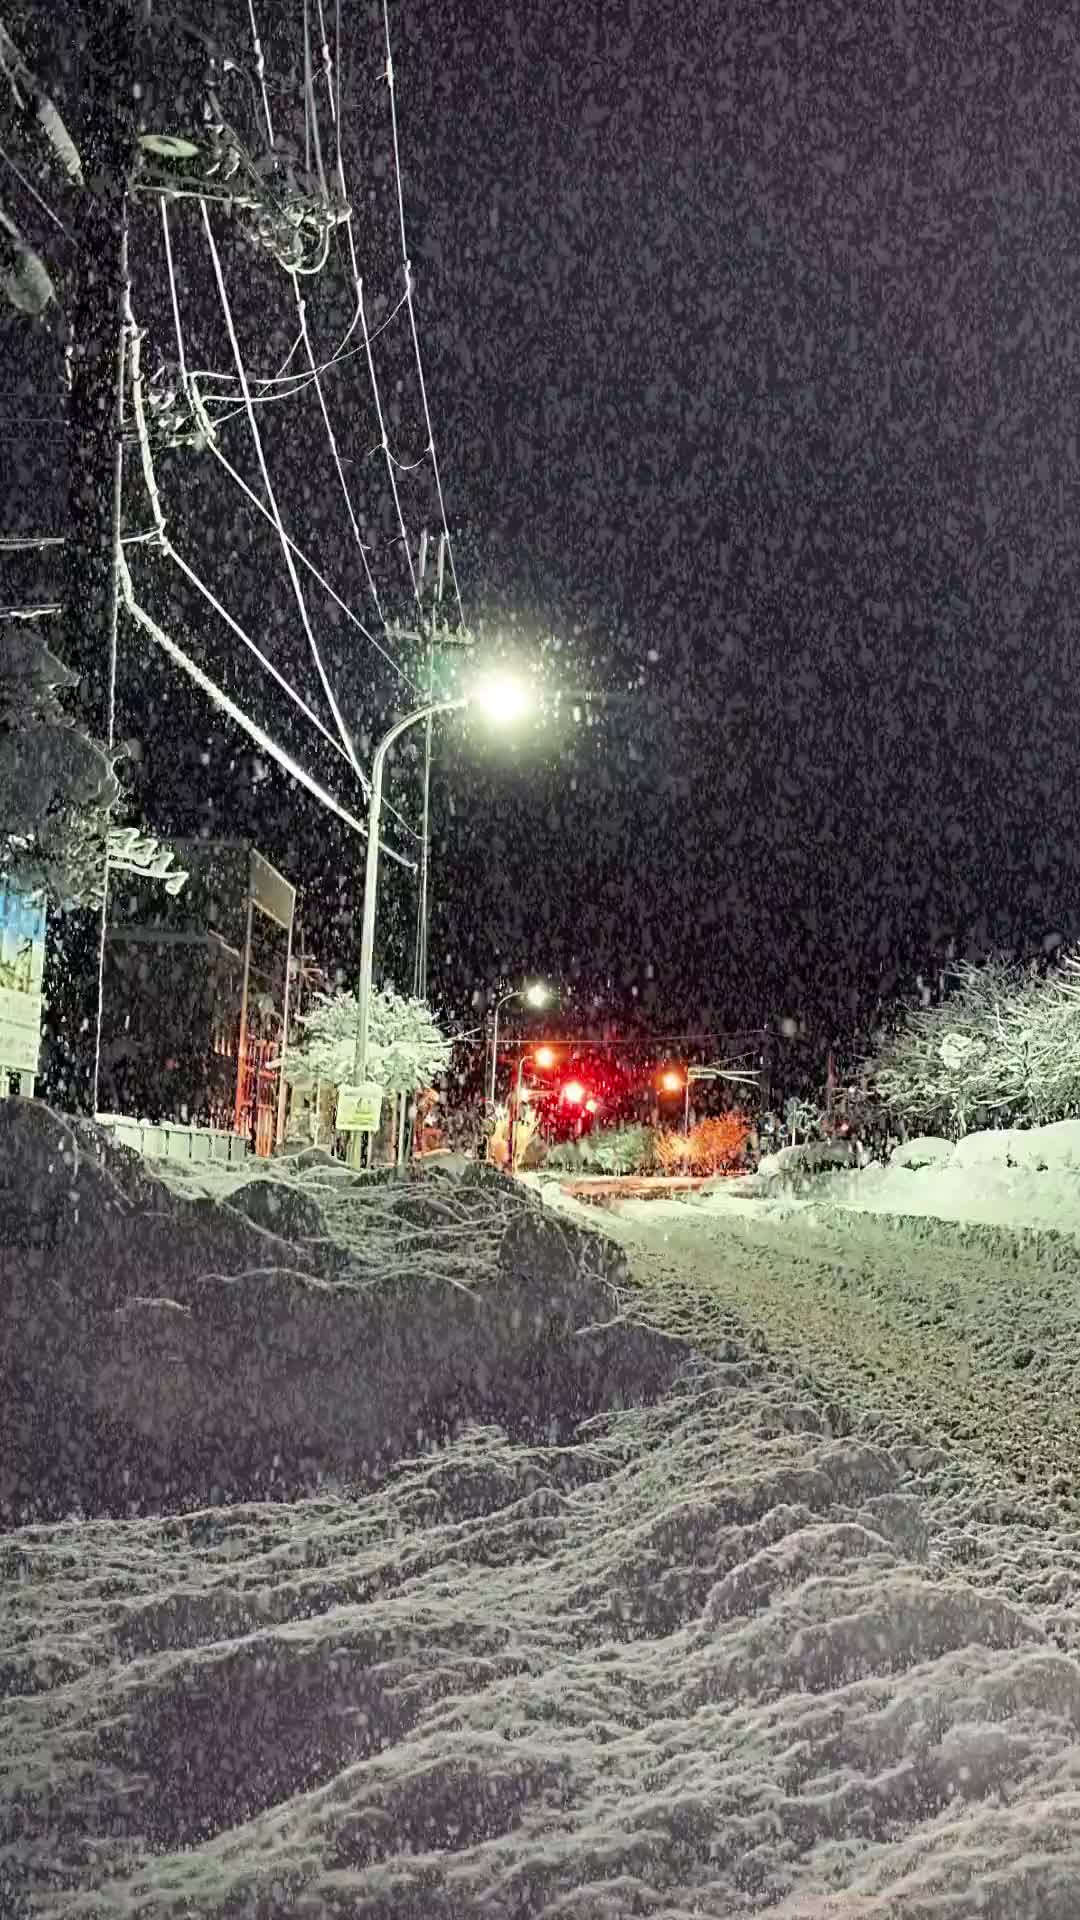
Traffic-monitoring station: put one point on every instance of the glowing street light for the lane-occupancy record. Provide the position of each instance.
(545, 1058)
(503, 700)
(536, 995)
(671, 1081)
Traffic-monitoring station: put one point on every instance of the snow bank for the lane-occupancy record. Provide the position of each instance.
(1056, 1146)
(717, 1649)
(925, 1150)
(1009, 1177)
(704, 1659)
(1015, 1179)
(161, 1349)
(793, 1165)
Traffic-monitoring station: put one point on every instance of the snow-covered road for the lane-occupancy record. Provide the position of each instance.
(971, 1333)
(788, 1642)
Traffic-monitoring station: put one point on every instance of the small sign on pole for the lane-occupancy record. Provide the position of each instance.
(359, 1109)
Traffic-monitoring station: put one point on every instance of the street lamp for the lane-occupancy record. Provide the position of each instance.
(535, 996)
(503, 700)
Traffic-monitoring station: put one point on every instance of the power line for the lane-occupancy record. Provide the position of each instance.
(167, 547)
(360, 317)
(244, 720)
(407, 269)
(190, 383)
(271, 497)
(192, 389)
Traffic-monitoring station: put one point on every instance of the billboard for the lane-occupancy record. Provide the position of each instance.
(22, 968)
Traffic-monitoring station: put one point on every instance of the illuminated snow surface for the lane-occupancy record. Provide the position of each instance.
(708, 1657)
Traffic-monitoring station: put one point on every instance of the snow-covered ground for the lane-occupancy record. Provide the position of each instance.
(1025, 1180)
(760, 1647)
(1008, 1178)
(711, 1659)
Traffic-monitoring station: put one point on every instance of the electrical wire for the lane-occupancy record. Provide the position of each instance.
(191, 388)
(167, 547)
(221, 700)
(177, 654)
(271, 497)
(250, 494)
(360, 316)
(407, 269)
(33, 192)
(294, 383)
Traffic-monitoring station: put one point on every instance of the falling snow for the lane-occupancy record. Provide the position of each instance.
(424, 1544)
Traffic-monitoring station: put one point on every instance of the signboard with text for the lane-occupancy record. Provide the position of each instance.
(359, 1109)
(22, 969)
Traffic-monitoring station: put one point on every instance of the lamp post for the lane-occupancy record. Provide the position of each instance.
(371, 869)
(535, 996)
(503, 700)
(512, 1112)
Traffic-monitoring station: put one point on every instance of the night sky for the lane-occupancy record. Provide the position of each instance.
(751, 348)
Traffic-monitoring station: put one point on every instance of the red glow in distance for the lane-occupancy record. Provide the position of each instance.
(574, 1093)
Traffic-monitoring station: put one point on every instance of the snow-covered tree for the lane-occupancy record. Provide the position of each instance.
(406, 1048)
(1004, 1045)
(58, 788)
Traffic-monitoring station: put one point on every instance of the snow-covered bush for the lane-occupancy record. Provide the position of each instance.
(618, 1150)
(58, 788)
(406, 1048)
(1003, 1048)
(802, 1120)
(925, 1150)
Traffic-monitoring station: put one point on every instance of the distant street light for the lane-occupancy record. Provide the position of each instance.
(537, 995)
(503, 700)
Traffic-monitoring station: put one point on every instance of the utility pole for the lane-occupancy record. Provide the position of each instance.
(106, 33)
(436, 638)
(97, 289)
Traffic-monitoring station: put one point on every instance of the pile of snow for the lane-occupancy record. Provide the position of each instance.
(710, 1658)
(794, 1166)
(1013, 1178)
(1006, 1177)
(162, 1346)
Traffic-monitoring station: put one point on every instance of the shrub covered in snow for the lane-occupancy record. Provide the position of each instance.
(925, 1150)
(617, 1150)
